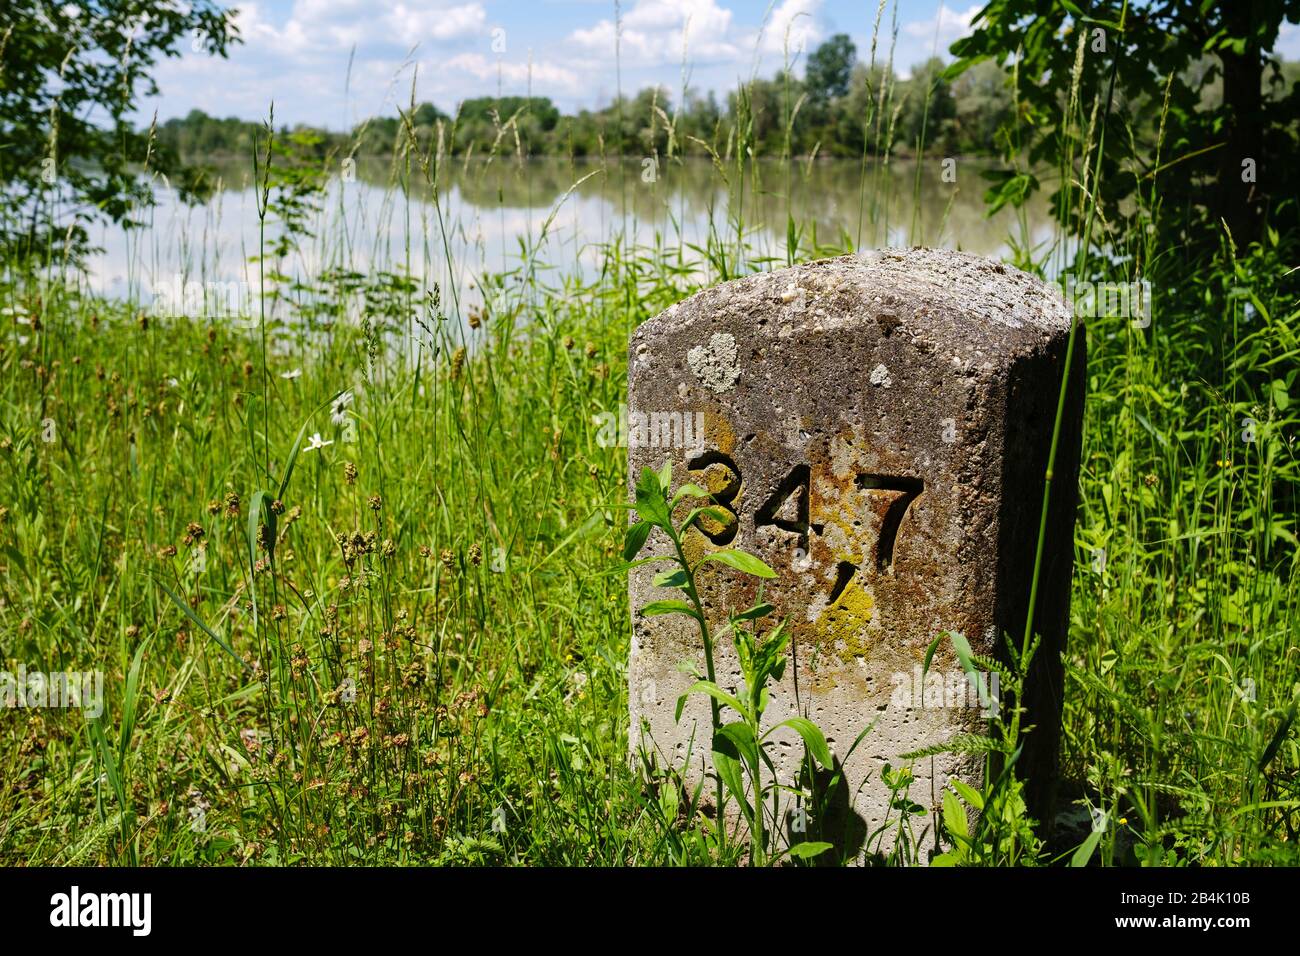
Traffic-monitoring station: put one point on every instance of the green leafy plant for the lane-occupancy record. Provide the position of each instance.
(1003, 834)
(742, 767)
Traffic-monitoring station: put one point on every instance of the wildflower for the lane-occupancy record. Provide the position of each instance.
(457, 362)
(232, 505)
(248, 369)
(339, 409)
(315, 442)
(277, 507)
(568, 342)
(167, 551)
(214, 506)
(475, 318)
(448, 559)
(349, 473)
(376, 502)
(475, 554)
(291, 375)
(589, 350)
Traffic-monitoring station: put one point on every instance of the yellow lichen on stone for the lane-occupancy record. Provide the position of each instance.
(843, 625)
(694, 546)
(719, 434)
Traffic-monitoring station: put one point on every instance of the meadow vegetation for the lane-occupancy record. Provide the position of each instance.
(350, 559)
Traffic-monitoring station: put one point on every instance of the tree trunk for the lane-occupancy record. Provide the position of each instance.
(1238, 200)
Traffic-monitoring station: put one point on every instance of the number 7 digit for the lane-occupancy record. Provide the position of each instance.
(908, 489)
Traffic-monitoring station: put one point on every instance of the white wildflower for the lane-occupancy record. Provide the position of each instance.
(339, 410)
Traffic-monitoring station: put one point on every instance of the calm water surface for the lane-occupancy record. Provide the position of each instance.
(557, 217)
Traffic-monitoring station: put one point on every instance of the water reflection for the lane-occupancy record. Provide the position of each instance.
(495, 216)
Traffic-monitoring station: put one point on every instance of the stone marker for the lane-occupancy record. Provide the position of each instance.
(880, 426)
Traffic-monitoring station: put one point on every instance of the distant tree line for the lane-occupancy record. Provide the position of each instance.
(840, 107)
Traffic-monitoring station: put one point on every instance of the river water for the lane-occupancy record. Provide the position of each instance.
(559, 217)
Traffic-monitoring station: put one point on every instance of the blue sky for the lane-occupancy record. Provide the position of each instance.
(297, 51)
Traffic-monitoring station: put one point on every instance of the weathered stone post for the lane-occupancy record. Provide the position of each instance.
(880, 427)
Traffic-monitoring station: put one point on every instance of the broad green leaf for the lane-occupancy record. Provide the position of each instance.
(671, 578)
(968, 793)
(754, 613)
(809, 849)
(714, 691)
(741, 562)
(690, 490)
(1084, 853)
(743, 738)
(623, 567)
(655, 608)
(954, 816)
(721, 515)
(813, 739)
(1281, 398)
(666, 477)
(635, 540)
(650, 503)
(726, 761)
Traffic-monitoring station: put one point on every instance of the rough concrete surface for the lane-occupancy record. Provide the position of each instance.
(880, 425)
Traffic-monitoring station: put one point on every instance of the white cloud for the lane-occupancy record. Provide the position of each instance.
(459, 21)
(546, 78)
(794, 21)
(951, 25)
(331, 26)
(653, 32)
